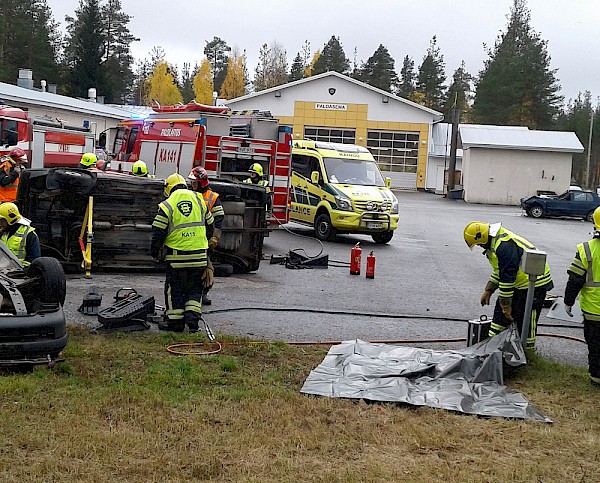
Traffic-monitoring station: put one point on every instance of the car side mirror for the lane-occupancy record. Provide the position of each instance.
(314, 177)
(388, 182)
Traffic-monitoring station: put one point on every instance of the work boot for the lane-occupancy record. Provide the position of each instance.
(170, 326)
(206, 300)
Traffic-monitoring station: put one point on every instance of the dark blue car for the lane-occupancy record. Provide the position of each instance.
(575, 203)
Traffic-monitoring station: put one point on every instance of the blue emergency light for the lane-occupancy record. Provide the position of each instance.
(201, 121)
(86, 123)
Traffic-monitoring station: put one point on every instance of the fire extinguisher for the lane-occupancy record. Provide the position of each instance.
(355, 255)
(370, 271)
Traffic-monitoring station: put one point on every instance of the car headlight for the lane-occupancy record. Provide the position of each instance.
(343, 204)
(395, 206)
(370, 206)
(383, 206)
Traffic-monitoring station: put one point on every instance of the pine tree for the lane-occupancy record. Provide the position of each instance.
(162, 86)
(407, 78)
(459, 94)
(271, 70)
(217, 53)
(430, 80)
(332, 58)
(517, 85)
(187, 81)
(379, 70)
(297, 69)
(203, 84)
(236, 80)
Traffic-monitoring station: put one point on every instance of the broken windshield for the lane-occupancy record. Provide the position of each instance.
(353, 171)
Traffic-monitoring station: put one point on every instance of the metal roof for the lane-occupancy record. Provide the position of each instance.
(11, 93)
(517, 137)
(441, 137)
(343, 77)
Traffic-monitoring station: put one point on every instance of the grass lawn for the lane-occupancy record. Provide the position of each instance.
(122, 409)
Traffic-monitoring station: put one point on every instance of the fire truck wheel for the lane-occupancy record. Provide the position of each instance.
(324, 230)
(383, 237)
(53, 283)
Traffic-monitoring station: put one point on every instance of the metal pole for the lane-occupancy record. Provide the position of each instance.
(528, 310)
(589, 151)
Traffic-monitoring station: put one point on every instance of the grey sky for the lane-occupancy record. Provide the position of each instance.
(181, 27)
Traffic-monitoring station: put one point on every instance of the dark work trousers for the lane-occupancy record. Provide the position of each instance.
(183, 297)
(591, 332)
(518, 312)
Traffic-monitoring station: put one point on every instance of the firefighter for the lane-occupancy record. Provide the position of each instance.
(18, 234)
(140, 169)
(10, 174)
(88, 161)
(181, 230)
(257, 177)
(584, 279)
(200, 184)
(504, 250)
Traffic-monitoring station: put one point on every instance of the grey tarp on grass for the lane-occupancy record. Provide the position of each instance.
(469, 380)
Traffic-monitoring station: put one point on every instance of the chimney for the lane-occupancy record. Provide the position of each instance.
(92, 94)
(100, 99)
(25, 78)
(43, 85)
(52, 88)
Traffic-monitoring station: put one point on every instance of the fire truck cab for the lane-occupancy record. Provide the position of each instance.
(48, 142)
(178, 138)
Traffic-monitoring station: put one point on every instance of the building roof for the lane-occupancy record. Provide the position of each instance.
(11, 93)
(343, 77)
(517, 137)
(439, 144)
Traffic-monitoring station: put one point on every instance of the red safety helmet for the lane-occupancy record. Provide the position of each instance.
(199, 174)
(18, 154)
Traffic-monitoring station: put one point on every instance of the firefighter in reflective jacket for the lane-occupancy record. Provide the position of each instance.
(201, 184)
(257, 177)
(180, 229)
(504, 250)
(10, 174)
(18, 234)
(584, 279)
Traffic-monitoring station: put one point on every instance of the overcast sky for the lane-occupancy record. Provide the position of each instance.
(182, 27)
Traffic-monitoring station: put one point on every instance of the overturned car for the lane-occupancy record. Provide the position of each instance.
(56, 201)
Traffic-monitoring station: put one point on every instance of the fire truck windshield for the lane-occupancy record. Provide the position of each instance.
(8, 134)
(353, 171)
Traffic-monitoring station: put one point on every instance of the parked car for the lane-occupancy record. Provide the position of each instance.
(33, 329)
(573, 202)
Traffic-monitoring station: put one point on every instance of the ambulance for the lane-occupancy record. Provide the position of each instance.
(338, 188)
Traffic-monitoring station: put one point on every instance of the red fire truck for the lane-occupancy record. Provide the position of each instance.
(48, 142)
(177, 138)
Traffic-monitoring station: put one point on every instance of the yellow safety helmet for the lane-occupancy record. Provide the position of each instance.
(597, 218)
(257, 168)
(88, 160)
(477, 233)
(139, 168)
(10, 213)
(173, 180)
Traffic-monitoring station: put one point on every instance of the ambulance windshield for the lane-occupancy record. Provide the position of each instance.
(353, 171)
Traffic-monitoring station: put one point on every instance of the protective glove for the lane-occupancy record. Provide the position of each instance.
(506, 306)
(214, 239)
(490, 288)
(208, 276)
(569, 310)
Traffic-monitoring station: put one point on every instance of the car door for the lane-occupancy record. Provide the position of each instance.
(580, 204)
(303, 202)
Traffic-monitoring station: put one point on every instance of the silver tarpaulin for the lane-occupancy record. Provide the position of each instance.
(469, 380)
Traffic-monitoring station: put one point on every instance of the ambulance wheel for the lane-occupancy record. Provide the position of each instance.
(383, 237)
(324, 230)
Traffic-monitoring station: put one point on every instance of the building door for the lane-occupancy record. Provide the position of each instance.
(397, 153)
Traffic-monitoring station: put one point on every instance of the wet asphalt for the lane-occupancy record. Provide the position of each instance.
(427, 282)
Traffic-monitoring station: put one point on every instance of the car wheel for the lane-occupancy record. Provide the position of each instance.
(324, 230)
(53, 283)
(383, 237)
(536, 211)
(590, 216)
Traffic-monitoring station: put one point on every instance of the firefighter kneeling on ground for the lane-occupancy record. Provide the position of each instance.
(18, 234)
(504, 250)
(584, 279)
(257, 178)
(10, 174)
(181, 230)
(201, 184)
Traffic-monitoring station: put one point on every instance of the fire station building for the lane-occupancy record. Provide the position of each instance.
(335, 108)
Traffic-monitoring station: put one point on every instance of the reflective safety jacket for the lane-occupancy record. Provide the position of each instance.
(214, 206)
(183, 218)
(263, 182)
(506, 263)
(17, 242)
(9, 181)
(586, 265)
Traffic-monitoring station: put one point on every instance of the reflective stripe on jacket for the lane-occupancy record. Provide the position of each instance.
(263, 182)
(521, 280)
(210, 198)
(589, 254)
(17, 242)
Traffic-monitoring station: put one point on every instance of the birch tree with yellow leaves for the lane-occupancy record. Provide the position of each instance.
(203, 84)
(162, 86)
(235, 82)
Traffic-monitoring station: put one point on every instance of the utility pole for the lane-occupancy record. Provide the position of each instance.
(589, 151)
(453, 147)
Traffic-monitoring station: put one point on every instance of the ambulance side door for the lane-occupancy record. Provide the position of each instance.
(303, 191)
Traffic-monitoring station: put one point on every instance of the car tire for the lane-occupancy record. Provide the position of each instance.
(590, 216)
(382, 238)
(536, 211)
(53, 288)
(324, 230)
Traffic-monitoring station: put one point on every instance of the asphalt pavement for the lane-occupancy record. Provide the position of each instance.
(427, 282)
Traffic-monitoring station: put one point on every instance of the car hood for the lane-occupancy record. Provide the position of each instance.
(365, 193)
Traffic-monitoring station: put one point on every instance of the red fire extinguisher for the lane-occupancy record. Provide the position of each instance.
(370, 271)
(355, 255)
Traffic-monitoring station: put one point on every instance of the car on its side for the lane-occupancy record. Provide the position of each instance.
(573, 202)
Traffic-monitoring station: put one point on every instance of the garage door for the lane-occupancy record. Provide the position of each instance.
(330, 134)
(397, 153)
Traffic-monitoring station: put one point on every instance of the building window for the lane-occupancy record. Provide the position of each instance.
(394, 150)
(330, 135)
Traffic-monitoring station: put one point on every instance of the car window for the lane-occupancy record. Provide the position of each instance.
(589, 197)
(579, 196)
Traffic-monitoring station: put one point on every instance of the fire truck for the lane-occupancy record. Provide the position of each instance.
(226, 143)
(48, 142)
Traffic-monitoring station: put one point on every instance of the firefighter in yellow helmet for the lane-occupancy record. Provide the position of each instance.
(257, 176)
(88, 161)
(140, 169)
(18, 234)
(504, 250)
(584, 279)
(181, 229)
